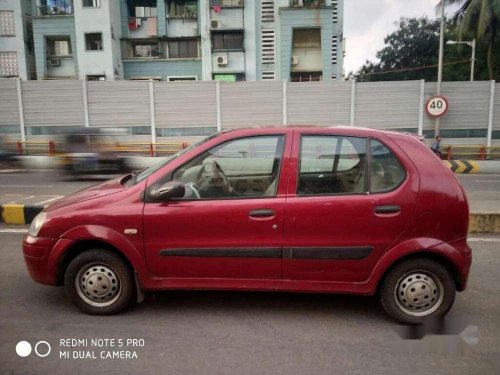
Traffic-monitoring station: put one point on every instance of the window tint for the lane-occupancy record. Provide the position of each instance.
(246, 167)
(386, 171)
(332, 165)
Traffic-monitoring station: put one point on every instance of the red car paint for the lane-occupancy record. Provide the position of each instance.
(433, 220)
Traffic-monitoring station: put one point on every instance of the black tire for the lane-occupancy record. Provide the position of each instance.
(392, 279)
(103, 265)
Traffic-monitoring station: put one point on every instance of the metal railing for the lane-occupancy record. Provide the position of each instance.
(53, 148)
(62, 8)
(471, 152)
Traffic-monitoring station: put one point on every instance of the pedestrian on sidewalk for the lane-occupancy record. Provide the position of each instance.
(436, 146)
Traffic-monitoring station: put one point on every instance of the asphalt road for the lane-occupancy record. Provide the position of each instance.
(243, 333)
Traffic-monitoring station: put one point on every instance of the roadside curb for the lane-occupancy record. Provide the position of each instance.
(19, 214)
(473, 166)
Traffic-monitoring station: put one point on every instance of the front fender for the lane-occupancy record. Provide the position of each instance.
(98, 233)
(410, 247)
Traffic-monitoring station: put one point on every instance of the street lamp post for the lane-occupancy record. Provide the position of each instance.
(440, 63)
(471, 44)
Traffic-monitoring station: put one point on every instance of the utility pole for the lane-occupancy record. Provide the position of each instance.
(440, 64)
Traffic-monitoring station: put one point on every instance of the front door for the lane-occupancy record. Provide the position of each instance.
(349, 200)
(229, 224)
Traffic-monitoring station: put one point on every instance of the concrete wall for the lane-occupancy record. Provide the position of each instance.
(161, 68)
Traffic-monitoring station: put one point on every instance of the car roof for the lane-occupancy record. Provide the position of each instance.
(340, 129)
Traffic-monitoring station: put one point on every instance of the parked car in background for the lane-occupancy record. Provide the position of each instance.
(297, 209)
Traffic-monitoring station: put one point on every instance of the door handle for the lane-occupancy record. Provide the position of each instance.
(262, 212)
(387, 209)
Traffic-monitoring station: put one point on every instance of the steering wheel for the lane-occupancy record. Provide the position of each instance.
(219, 175)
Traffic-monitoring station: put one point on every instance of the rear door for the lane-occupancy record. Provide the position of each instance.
(349, 199)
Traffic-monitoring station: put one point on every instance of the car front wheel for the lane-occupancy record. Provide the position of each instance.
(417, 290)
(99, 282)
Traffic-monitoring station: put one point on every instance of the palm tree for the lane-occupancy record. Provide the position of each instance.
(480, 18)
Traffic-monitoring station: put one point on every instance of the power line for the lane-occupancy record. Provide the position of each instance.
(416, 68)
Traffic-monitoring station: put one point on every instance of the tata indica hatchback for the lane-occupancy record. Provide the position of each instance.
(299, 209)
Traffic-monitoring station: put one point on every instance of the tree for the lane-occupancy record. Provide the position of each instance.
(411, 52)
(480, 19)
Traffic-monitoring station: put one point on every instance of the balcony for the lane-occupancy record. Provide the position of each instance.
(142, 27)
(55, 8)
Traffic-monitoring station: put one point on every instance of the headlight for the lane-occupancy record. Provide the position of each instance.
(37, 223)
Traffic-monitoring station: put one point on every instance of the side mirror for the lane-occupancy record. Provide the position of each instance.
(170, 190)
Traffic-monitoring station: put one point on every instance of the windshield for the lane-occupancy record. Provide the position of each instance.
(149, 171)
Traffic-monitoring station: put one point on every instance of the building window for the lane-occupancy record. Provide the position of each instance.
(267, 11)
(8, 64)
(238, 77)
(181, 49)
(306, 76)
(146, 50)
(181, 78)
(145, 12)
(227, 3)
(183, 8)
(228, 40)
(91, 3)
(59, 47)
(94, 77)
(7, 24)
(93, 41)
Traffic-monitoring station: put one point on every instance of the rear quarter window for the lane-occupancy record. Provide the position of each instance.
(387, 173)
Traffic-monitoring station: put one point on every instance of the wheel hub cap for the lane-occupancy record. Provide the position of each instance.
(98, 285)
(419, 293)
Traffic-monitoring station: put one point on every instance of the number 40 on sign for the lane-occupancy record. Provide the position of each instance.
(436, 106)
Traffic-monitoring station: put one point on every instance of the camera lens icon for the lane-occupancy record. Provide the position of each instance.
(42, 349)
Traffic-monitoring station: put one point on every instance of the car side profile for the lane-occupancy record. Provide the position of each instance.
(296, 209)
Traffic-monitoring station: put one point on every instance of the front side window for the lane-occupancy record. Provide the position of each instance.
(241, 168)
(332, 165)
(93, 41)
(386, 170)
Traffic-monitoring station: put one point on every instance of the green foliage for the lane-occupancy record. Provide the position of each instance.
(415, 46)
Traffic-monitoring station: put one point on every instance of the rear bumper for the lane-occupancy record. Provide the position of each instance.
(464, 248)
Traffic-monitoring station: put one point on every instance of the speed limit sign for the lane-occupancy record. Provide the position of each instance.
(436, 106)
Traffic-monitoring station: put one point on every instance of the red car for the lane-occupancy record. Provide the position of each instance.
(296, 209)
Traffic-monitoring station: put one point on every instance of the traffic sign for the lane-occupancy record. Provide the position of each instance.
(436, 106)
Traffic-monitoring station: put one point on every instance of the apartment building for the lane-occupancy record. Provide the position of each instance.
(172, 40)
(16, 48)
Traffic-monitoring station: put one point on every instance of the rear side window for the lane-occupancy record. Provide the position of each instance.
(386, 171)
(332, 165)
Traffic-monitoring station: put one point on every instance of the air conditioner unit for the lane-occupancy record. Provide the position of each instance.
(215, 24)
(221, 59)
(55, 62)
(295, 60)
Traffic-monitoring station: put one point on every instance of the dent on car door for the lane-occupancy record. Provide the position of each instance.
(229, 223)
(348, 203)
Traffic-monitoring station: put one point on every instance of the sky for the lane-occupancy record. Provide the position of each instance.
(367, 22)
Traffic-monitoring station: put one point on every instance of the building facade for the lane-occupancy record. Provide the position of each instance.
(16, 47)
(172, 40)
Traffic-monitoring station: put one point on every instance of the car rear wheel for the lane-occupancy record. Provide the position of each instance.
(417, 290)
(99, 282)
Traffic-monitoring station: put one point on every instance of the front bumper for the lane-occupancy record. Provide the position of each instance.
(41, 258)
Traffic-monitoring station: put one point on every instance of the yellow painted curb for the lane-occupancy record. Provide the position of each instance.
(13, 214)
(484, 223)
(462, 166)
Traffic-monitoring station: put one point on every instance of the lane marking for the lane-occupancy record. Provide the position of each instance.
(20, 199)
(28, 186)
(13, 230)
(479, 239)
(49, 200)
